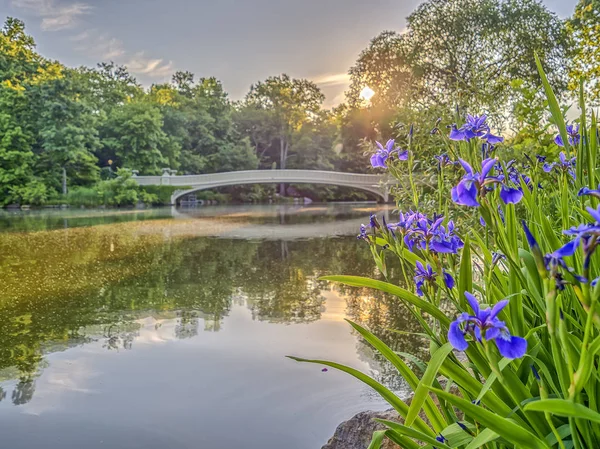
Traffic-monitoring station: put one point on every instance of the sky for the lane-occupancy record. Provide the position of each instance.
(238, 41)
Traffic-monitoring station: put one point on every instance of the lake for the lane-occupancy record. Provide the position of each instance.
(169, 327)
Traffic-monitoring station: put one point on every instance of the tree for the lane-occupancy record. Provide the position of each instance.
(465, 53)
(287, 104)
(134, 139)
(584, 27)
(67, 133)
(21, 69)
(383, 68)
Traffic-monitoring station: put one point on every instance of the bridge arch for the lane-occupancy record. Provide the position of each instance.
(376, 184)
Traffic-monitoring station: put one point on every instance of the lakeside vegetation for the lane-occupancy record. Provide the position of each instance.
(504, 261)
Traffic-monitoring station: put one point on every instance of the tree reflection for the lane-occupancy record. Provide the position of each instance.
(67, 288)
(23, 392)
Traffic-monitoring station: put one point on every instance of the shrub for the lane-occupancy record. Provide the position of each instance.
(160, 195)
(512, 284)
(120, 191)
(83, 196)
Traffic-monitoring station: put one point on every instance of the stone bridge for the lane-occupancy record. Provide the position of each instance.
(377, 184)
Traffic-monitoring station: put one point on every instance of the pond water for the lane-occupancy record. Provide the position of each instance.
(169, 328)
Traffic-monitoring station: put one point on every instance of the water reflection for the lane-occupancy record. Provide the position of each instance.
(120, 285)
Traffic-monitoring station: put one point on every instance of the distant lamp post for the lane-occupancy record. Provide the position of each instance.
(366, 94)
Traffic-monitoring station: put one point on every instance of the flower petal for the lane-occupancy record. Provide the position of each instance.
(472, 302)
(486, 166)
(457, 134)
(465, 194)
(498, 308)
(456, 337)
(466, 166)
(558, 141)
(595, 213)
(567, 249)
(510, 195)
(449, 280)
(511, 347)
(491, 139)
(389, 146)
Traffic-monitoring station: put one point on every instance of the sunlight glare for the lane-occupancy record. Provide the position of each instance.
(367, 93)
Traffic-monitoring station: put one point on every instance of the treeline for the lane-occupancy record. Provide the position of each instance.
(456, 56)
(88, 123)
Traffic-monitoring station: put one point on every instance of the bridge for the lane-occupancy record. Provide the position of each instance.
(377, 184)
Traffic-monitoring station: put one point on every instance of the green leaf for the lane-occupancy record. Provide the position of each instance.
(431, 410)
(418, 362)
(466, 381)
(483, 437)
(422, 392)
(384, 392)
(457, 436)
(553, 105)
(401, 440)
(358, 281)
(563, 407)
(412, 433)
(465, 278)
(491, 379)
(563, 431)
(509, 430)
(377, 439)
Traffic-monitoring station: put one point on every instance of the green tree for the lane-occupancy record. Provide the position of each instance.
(464, 53)
(200, 116)
(67, 133)
(21, 69)
(288, 104)
(584, 27)
(133, 137)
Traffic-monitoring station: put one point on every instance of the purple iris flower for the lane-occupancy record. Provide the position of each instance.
(467, 190)
(384, 153)
(363, 233)
(553, 263)
(444, 160)
(540, 158)
(565, 165)
(590, 192)
(484, 324)
(475, 126)
(497, 257)
(572, 134)
(473, 185)
(426, 274)
(407, 221)
(431, 235)
(587, 236)
(373, 221)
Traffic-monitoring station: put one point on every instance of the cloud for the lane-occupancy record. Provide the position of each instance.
(337, 79)
(61, 16)
(55, 17)
(108, 48)
(155, 68)
(334, 86)
(101, 46)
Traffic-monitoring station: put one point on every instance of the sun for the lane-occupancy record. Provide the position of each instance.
(367, 93)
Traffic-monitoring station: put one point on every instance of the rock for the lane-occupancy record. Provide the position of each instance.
(356, 433)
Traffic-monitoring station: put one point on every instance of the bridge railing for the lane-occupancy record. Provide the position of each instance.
(288, 176)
